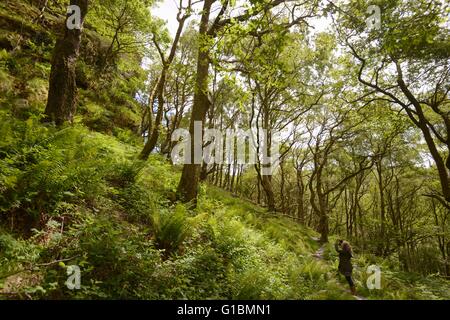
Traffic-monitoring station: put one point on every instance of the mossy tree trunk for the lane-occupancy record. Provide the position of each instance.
(158, 91)
(62, 95)
(189, 182)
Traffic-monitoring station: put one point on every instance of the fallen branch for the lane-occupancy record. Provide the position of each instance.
(32, 268)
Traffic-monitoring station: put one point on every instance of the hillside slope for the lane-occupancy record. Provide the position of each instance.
(111, 216)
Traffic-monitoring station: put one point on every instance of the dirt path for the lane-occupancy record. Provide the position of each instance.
(319, 256)
(319, 253)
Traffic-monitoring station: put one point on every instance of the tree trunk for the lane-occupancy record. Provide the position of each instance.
(233, 175)
(321, 208)
(323, 220)
(204, 172)
(188, 186)
(443, 167)
(382, 207)
(282, 187)
(300, 197)
(62, 94)
(153, 136)
(159, 93)
(258, 200)
(266, 183)
(347, 214)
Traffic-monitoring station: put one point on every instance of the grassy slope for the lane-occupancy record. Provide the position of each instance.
(113, 229)
(327, 283)
(78, 195)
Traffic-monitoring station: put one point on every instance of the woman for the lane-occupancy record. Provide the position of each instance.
(345, 264)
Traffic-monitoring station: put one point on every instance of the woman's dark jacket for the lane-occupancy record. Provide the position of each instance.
(345, 264)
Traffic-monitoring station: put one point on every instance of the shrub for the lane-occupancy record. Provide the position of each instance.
(170, 227)
(116, 261)
(138, 203)
(47, 167)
